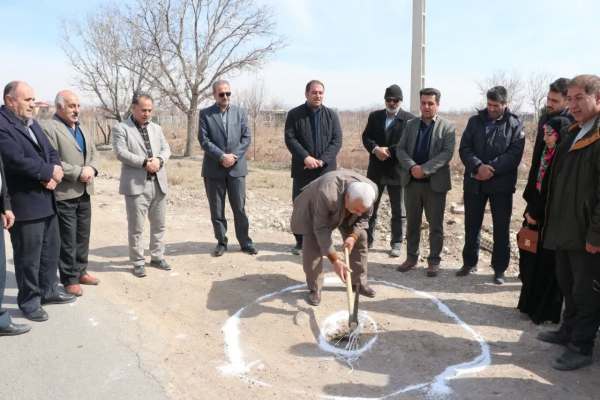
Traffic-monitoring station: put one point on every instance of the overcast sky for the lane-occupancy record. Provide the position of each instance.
(356, 47)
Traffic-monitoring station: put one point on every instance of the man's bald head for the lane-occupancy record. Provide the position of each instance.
(20, 99)
(67, 107)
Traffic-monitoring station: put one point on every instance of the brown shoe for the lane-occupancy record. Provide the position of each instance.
(87, 279)
(74, 289)
(432, 269)
(406, 266)
(314, 297)
(366, 290)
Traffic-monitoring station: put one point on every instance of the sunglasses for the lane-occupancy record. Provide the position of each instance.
(223, 94)
(392, 100)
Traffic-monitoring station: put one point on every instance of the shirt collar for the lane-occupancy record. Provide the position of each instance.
(138, 125)
(432, 120)
(66, 124)
(314, 111)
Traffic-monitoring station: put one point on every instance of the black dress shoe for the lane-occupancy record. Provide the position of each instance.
(250, 249)
(61, 297)
(465, 270)
(219, 250)
(555, 337)
(366, 290)
(14, 329)
(38, 315)
(499, 279)
(571, 360)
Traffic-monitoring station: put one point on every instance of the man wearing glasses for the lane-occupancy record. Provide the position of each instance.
(314, 137)
(225, 136)
(380, 137)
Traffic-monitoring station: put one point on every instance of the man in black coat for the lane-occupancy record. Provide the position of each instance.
(7, 327)
(33, 169)
(491, 149)
(313, 135)
(381, 137)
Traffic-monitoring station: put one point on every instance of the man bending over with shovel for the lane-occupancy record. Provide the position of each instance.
(339, 199)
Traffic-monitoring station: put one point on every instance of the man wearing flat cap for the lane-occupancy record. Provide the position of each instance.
(381, 137)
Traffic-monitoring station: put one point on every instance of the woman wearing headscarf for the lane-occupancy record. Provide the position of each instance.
(540, 297)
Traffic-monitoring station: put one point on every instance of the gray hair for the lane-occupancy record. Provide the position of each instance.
(59, 101)
(218, 83)
(10, 88)
(361, 191)
(137, 96)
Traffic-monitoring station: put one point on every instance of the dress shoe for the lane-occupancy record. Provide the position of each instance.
(432, 269)
(571, 360)
(406, 266)
(139, 271)
(465, 270)
(219, 250)
(61, 297)
(74, 289)
(14, 329)
(87, 279)
(250, 249)
(365, 290)
(314, 297)
(555, 337)
(499, 278)
(296, 250)
(161, 264)
(395, 251)
(38, 315)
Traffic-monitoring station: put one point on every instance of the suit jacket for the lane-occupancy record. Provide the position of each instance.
(72, 157)
(441, 149)
(27, 164)
(216, 140)
(320, 208)
(4, 196)
(299, 141)
(375, 134)
(130, 149)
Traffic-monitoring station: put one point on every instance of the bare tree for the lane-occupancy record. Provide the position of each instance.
(252, 99)
(537, 89)
(192, 43)
(96, 50)
(512, 82)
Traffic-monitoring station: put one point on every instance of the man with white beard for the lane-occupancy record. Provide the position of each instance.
(380, 137)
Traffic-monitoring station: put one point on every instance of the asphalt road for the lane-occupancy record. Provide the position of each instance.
(86, 350)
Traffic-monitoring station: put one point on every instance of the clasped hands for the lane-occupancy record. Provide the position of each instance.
(57, 175)
(484, 172)
(312, 163)
(227, 160)
(382, 153)
(152, 165)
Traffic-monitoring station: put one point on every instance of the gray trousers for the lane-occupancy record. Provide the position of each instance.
(419, 197)
(74, 221)
(153, 203)
(216, 191)
(312, 260)
(4, 316)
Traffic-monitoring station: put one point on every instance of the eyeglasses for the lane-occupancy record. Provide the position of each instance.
(223, 94)
(390, 100)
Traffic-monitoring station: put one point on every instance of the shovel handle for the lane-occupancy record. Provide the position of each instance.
(348, 284)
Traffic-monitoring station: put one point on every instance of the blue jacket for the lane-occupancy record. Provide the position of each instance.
(502, 148)
(27, 165)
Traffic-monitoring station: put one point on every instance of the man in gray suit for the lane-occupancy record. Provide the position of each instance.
(224, 136)
(341, 200)
(77, 152)
(424, 153)
(141, 147)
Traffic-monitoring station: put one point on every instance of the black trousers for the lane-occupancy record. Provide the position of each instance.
(36, 246)
(4, 316)
(216, 191)
(501, 206)
(298, 184)
(398, 222)
(577, 273)
(74, 219)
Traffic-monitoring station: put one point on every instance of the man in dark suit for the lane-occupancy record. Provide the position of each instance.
(7, 327)
(424, 152)
(380, 138)
(225, 136)
(314, 137)
(33, 170)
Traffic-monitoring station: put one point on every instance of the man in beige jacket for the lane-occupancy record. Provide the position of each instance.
(341, 200)
(77, 152)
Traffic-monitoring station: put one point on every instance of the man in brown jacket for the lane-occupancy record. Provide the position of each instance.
(337, 200)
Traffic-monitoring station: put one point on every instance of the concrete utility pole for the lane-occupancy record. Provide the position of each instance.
(417, 72)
